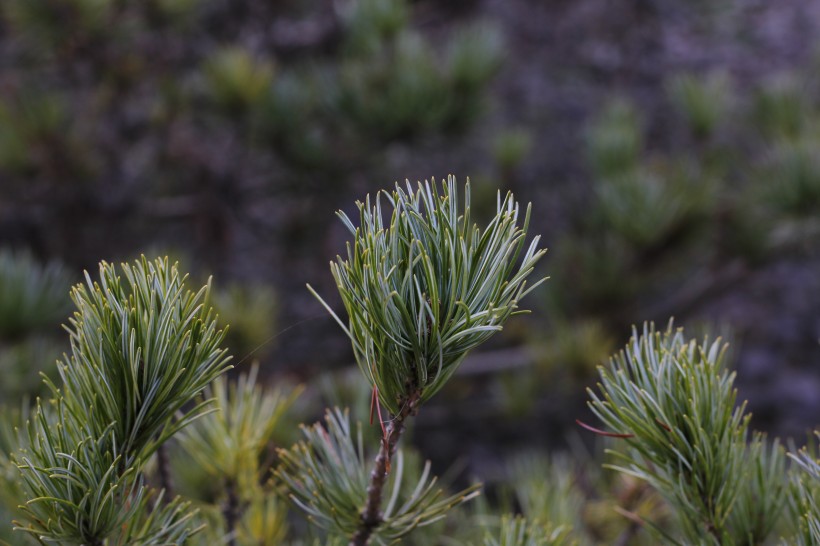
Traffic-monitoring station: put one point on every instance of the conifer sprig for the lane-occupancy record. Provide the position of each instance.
(140, 351)
(228, 445)
(517, 531)
(672, 402)
(420, 292)
(425, 288)
(326, 475)
(228, 442)
(805, 507)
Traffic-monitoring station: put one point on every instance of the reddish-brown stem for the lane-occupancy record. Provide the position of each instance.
(372, 515)
(602, 432)
(664, 425)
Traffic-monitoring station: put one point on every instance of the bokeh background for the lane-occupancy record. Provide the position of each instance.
(670, 149)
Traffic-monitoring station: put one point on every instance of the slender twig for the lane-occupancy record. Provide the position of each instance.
(372, 515)
(164, 472)
(628, 534)
(230, 511)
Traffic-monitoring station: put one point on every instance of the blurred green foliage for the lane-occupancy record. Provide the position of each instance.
(250, 309)
(33, 298)
(194, 114)
(731, 178)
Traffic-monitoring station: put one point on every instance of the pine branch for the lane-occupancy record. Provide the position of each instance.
(142, 347)
(371, 515)
(424, 289)
(421, 292)
(326, 476)
(672, 402)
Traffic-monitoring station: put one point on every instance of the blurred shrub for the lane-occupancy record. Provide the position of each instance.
(396, 95)
(511, 147)
(650, 205)
(184, 114)
(747, 188)
(11, 419)
(34, 131)
(32, 297)
(55, 27)
(398, 89)
(734, 178)
(780, 107)
(33, 301)
(703, 102)
(792, 176)
(555, 497)
(575, 349)
(615, 140)
(371, 23)
(236, 80)
(250, 309)
(22, 364)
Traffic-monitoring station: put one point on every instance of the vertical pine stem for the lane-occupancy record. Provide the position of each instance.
(372, 515)
(164, 472)
(230, 511)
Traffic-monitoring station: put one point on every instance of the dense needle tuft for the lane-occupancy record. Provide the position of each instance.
(428, 286)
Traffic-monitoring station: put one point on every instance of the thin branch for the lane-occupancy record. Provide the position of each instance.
(164, 472)
(372, 514)
(230, 511)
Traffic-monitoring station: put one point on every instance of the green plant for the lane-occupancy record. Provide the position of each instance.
(391, 84)
(423, 285)
(615, 140)
(518, 532)
(250, 309)
(793, 176)
(428, 287)
(237, 80)
(511, 147)
(553, 499)
(672, 404)
(649, 206)
(703, 102)
(421, 291)
(779, 108)
(23, 364)
(326, 476)
(231, 445)
(142, 347)
(804, 505)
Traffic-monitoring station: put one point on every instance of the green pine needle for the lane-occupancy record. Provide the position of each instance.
(141, 351)
(326, 476)
(430, 285)
(672, 402)
(517, 531)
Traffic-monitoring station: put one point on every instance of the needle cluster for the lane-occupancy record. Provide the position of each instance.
(142, 348)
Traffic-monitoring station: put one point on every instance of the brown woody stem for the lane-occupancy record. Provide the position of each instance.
(372, 514)
(164, 472)
(231, 511)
